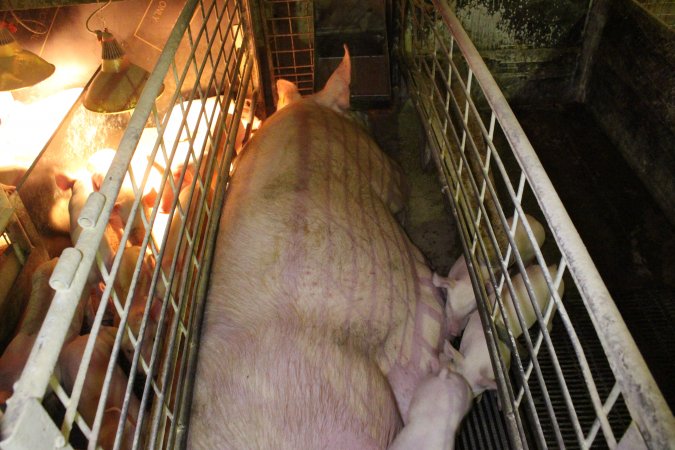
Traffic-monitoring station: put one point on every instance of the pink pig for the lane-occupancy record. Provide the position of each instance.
(473, 360)
(327, 348)
(460, 297)
(438, 406)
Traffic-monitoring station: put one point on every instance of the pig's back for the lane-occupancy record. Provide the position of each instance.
(308, 253)
(307, 233)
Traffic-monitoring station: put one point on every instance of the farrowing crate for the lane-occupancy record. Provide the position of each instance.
(583, 384)
(209, 78)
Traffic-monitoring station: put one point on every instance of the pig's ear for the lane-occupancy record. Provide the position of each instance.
(442, 282)
(287, 92)
(97, 181)
(453, 357)
(335, 94)
(63, 181)
(116, 217)
(149, 198)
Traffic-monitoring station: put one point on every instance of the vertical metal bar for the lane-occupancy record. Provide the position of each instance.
(630, 372)
(123, 158)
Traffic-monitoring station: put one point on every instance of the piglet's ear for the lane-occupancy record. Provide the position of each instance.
(97, 181)
(287, 92)
(451, 357)
(149, 198)
(335, 94)
(63, 181)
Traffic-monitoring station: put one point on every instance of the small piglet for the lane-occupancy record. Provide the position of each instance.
(80, 188)
(438, 406)
(524, 247)
(473, 360)
(16, 354)
(460, 298)
(66, 371)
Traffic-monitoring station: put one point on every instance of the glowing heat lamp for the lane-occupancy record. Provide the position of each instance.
(118, 84)
(19, 68)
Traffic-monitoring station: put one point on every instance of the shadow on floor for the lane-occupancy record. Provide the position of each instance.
(627, 235)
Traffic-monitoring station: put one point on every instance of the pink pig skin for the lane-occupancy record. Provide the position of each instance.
(438, 406)
(66, 372)
(324, 350)
(16, 354)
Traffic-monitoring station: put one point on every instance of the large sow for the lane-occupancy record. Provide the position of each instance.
(321, 316)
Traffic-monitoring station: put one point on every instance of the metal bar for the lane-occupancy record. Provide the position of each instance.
(594, 293)
(198, 214)
(502, 372)
(123, 158)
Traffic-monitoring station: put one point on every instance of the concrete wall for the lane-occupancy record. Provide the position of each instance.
(530, 46)
(631, 93)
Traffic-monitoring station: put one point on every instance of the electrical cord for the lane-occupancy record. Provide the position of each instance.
(98, 10)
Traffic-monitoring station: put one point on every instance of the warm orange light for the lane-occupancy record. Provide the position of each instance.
(99, 163)
(20, 138)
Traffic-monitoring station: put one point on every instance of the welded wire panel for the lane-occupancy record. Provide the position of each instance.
(289, 33)
(115, 364)
(558, 347)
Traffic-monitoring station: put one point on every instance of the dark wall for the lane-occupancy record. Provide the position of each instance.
(631, 93)
(530, 46)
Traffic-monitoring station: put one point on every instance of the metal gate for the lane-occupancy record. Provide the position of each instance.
(126, 382)
(582, 384)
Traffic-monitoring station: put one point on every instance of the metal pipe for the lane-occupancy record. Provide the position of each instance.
(642, 395)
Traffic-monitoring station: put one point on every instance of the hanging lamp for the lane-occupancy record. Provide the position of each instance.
(118, 84)
(19, 68)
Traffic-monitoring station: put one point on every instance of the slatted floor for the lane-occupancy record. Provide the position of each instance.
(627, 235)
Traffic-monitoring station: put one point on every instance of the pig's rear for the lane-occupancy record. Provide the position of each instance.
(279, 388)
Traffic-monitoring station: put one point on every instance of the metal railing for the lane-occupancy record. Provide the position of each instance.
(584, 383)
(127, 382)
(289, 33)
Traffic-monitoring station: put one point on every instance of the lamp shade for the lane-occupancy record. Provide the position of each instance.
(118, 85)
(19, 68)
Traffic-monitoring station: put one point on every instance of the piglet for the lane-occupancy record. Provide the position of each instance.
(460, 297)
(40, 298)
(47, 206)
(473, 360)
(99, 163)
(16, 354)
(184, 217)
(438, 406)
(66, 372)
(81, 187)
(523, 244)
(541, 293)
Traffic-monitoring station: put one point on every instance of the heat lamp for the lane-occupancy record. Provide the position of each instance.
(19, 68)
(118, 84)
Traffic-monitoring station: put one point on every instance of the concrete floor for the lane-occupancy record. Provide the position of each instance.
(428, 219)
